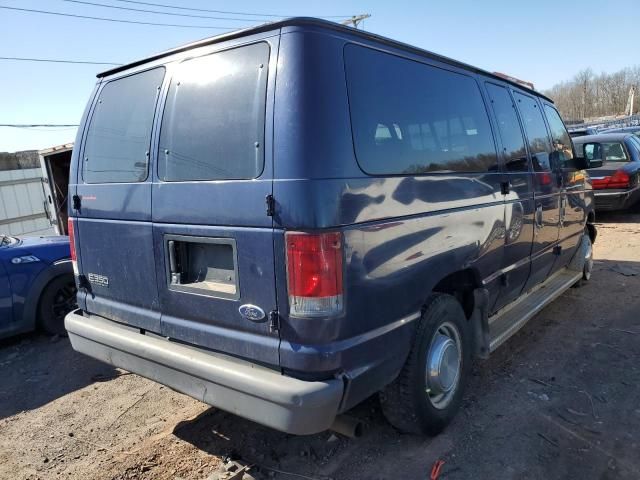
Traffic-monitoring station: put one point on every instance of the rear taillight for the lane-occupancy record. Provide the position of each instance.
(314, 274)
(72, 245)
(620, 179)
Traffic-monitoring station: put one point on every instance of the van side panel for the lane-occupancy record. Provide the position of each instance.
(402, 233)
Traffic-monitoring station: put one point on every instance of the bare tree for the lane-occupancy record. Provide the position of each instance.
(589, 95)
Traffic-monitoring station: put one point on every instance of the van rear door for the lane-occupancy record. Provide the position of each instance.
(213, 238)
(112, 203)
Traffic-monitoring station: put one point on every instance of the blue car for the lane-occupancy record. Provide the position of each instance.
(37, 288)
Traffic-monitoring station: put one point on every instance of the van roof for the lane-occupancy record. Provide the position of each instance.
(309, 21)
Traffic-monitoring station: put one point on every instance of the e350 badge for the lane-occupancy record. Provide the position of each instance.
(100, 280)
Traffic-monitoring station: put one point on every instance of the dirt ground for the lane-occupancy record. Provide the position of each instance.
(560, 400)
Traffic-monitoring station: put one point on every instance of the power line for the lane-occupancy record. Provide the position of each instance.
(143, 10)
(51, 60)
(105, 19)
(164, 5)
(37, 125)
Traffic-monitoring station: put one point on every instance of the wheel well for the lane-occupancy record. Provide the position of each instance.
(591, 228)
(461, 285)
(44, 289)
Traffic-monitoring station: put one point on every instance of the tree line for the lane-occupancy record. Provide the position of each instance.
(589, 95)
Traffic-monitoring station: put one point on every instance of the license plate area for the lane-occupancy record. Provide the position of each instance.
(202, 265)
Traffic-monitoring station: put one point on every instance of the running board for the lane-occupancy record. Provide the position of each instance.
(511, 318)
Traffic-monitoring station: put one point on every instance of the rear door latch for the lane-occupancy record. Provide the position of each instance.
(274, 321)
(271, 205)
(76, 202)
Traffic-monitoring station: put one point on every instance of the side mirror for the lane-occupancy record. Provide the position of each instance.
(593, 154)
(581, 163)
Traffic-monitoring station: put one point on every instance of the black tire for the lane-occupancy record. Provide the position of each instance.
(407, 402)
(57, 299)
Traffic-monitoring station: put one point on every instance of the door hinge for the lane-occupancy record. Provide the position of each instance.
(76, 202)
(505, 187)
(274, 321)
(83, 283)
(557, 250)
(271, 205)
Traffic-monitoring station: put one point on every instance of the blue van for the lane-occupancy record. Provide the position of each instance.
(285, 220)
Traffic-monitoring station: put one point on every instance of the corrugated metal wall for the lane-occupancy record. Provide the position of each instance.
(22, 203)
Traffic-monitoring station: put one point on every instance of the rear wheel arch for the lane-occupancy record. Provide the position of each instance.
(461, 284)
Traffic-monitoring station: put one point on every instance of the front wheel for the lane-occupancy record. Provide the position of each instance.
(428, 392)
(583, 259)
(57, 299)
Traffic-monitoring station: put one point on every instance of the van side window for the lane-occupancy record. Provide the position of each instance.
(536, 132)
(561, 139)
(118, 140)
(515, 151)
(412, 118)
(213, 122)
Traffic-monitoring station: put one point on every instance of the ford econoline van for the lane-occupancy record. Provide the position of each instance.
(286, 220)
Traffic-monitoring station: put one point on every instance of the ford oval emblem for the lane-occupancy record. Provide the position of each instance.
(251, 312)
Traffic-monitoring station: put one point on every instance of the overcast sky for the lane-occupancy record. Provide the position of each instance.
(542, 41)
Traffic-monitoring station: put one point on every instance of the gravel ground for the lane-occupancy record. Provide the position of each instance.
(560, 400)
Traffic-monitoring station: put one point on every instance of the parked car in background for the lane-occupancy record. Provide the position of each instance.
(37, 287)
(616, 179)
(634, 130)
(581, 131)
(288, 219)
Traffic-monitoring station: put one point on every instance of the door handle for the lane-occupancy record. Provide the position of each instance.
(538, 216)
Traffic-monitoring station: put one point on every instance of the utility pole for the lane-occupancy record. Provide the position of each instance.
(355, 20)
(629, 109)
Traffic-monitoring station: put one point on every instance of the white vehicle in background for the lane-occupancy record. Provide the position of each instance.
(54, 163)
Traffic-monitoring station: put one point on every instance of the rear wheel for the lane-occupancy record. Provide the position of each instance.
(428, 392)
(57, 299)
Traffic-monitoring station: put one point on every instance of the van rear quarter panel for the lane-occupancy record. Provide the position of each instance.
(402, 234)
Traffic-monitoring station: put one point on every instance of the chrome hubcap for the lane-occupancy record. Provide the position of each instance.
(443, 365)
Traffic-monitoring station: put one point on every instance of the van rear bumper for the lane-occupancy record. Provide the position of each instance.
(248, 390)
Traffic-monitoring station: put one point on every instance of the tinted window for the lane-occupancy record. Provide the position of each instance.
(509, 127)
(410, 118)
(117, 145)
(213, 123)
(536, 131)
(561, 139)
